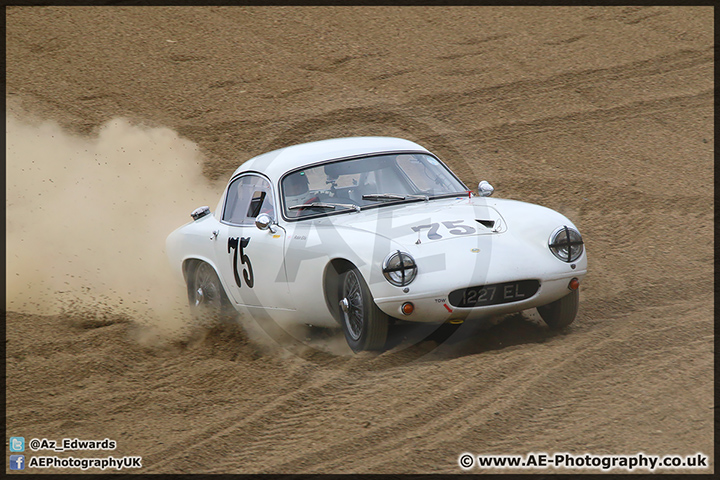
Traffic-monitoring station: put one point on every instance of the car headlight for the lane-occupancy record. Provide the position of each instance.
(566, 244)
(399, 268)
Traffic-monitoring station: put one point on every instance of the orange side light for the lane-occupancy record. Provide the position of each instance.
(407, 308)
(574, 284)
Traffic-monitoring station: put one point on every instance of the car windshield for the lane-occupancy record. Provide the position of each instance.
(366, 182)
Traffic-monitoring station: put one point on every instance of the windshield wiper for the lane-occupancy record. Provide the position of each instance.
(391, 196)
(383, 196)
(331, 206)
(447, 195)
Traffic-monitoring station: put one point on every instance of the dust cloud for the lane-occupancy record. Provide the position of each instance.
(87, 218)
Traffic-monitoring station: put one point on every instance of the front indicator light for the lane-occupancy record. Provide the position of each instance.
(407, 308)
(574, 284)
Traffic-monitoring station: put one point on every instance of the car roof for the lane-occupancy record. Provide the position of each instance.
(274, 164)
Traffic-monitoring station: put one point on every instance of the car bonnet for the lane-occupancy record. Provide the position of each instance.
(435, 220)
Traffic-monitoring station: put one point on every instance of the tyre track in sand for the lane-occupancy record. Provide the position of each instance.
(513, 130)
(439, 410)
(674, 62)
(263, 438)
(491, 402)
(215, 436)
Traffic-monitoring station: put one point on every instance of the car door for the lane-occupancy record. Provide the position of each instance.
(252, 260)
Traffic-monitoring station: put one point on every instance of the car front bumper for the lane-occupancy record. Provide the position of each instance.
(435, 307)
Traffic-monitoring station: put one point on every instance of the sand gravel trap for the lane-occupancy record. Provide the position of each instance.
(121, 120)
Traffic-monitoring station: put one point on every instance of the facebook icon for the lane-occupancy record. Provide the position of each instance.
(17, 462)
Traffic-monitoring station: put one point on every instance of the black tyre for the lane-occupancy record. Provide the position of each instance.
(562, 312)
(365, 325)
(207, 298)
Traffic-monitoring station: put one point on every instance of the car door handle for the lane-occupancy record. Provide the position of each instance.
(214, 234)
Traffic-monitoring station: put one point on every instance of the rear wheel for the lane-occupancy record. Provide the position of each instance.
(206, 296)
(562, 312)
(365, 325)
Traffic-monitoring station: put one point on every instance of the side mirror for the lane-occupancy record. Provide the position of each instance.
(200, 212)
(264, 222)
(485, 189)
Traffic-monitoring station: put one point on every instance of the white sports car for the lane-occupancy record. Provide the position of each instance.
(359, 231)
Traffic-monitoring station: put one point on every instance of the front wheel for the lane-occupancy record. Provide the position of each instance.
(364, 324)
(206, 296)
(562, 312)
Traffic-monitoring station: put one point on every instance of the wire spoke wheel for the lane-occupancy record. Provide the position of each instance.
(355, 314)
(206, 295)
(206, 288)
(365, 325)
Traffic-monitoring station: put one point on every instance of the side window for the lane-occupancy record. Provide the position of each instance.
(248, 196)
(256, 204)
